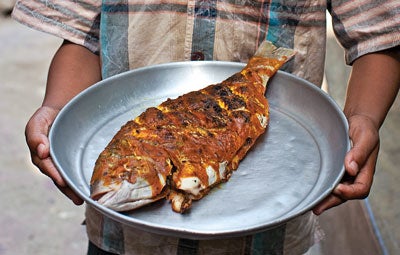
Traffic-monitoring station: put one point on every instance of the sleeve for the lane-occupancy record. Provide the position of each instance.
(75, 21)
(365, 26)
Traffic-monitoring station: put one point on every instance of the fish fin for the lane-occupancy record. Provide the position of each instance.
(269, 50)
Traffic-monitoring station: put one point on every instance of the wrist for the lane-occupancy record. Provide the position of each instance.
(363, 116)
(49, 110)
(364, 121)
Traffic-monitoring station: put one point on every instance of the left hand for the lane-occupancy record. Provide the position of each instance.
(359, 163)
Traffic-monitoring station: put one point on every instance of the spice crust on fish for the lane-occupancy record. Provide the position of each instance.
(182, 148)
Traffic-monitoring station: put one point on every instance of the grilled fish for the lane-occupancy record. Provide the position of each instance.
(182, 148)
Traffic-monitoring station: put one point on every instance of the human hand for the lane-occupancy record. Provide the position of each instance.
(359, 163)
(36, 133)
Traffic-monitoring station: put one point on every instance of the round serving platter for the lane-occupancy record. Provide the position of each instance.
(292, 167)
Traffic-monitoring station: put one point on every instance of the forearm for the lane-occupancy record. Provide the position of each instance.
(372, 88)
(73, 69)
(373, 85)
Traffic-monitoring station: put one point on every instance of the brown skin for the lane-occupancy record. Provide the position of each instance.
(373, 86)
(73, 69)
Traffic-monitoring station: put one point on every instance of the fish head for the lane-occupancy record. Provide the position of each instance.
(124, 195)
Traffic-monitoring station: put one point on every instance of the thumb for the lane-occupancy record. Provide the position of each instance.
(43, 149)
(37, 129)
(365, 139)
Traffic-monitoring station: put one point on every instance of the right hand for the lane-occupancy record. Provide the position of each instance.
(36, 133)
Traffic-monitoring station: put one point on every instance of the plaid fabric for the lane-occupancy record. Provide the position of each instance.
(134, 33)
(140, 33)
(294, 237)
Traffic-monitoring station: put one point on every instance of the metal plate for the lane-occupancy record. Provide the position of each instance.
(292, 167)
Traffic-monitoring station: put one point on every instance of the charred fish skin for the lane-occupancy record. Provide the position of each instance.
(182, 148)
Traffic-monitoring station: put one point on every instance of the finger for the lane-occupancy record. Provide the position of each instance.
(351, 164)
(36, 131)
(47, 167)
(359, 189)
(329, 202)
(38, 144)
(43, 149)
(365, 139)
(71, 195)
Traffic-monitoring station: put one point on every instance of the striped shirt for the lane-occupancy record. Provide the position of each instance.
(128, 34)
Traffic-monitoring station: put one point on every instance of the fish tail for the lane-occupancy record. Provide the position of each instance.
(266, 62)
(268, 50)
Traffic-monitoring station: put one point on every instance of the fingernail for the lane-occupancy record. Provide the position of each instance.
(354, 167)
(40, 150)
(338, 190)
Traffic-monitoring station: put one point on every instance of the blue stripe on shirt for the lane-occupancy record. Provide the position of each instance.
(203, 36)
(114, 37)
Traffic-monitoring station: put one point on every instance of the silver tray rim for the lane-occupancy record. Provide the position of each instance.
(179, 232)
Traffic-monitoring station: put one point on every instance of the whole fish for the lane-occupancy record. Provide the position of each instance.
(182, 148)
